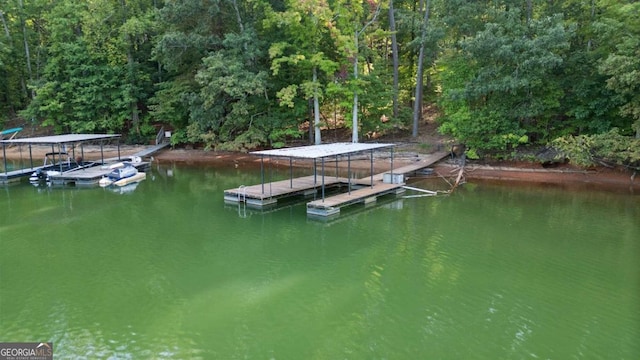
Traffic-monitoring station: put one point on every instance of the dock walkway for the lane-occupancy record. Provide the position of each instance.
(418, 165)
(151, 150)
(331, 205)
(369, 194)
(8, 177)
(268, 193)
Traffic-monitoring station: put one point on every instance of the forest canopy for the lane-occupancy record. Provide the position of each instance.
(239, 74)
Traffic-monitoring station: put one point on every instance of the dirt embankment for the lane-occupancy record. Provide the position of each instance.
(568, 177)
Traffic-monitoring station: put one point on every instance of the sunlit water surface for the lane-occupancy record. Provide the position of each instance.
(169, 271)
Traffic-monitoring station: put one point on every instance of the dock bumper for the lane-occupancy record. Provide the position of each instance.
(322, 211)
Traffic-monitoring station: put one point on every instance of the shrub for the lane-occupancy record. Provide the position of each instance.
(609, 149)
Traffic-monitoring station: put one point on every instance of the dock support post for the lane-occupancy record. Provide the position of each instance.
(291, 173)
(392, 162)
(30, 157)
(4, 157)
(349, 173)
(270, 175)
(322, 179)
(262, 172)
(60, 156)
(371, 173)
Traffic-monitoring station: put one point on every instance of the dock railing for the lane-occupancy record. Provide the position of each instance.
(160, 136)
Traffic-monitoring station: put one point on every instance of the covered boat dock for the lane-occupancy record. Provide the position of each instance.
(61, 144)
(364, 189)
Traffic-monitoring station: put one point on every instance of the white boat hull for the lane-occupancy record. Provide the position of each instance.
(131, 179)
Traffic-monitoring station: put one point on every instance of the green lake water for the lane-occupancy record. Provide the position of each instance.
(168, 271)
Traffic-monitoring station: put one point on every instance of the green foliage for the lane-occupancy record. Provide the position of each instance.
(179, 137)
(238, 74)
(83, 94)
(230, 90)
(510, 92)
(610, 148)
(170, 102)
(622, 65)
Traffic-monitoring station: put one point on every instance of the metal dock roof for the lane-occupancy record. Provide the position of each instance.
(61, 139)
(321, 151)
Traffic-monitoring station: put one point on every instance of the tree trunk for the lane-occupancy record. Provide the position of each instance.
(135, 117)
(354, 130)
(26, 46)
(316, 107)
(354, 135)
(592, 17)
(418, 93)
(4, 24)
(133, 105)
(394, 54)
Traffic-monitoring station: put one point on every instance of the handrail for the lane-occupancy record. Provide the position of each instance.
(160, 135)
(242, 193)
(242, 204)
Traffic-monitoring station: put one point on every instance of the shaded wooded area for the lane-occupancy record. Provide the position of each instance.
(237, 74)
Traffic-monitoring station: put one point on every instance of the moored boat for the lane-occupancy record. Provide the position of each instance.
(54, 163)
(122, 175)
(131, 179)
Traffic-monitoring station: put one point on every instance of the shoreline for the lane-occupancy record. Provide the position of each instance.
(504, 173)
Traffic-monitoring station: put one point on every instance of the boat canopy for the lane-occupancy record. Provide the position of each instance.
(61, 139)
(10, 131)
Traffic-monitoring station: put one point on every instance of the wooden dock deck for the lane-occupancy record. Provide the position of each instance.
(418, 165)
(15, 175)
(88, 176)
(331, 205)
(268, 193)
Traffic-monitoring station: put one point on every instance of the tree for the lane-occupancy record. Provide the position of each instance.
(417, 109)
(230, 83)
(622, 66)
(354, 18)
(514, 91)
(86, 83)
(306, 26)
(20, 39)
(395, 56)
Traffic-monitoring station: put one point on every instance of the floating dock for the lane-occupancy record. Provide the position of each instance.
(361, 190)
(266, 194)
(89, 176)
(367, 195)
